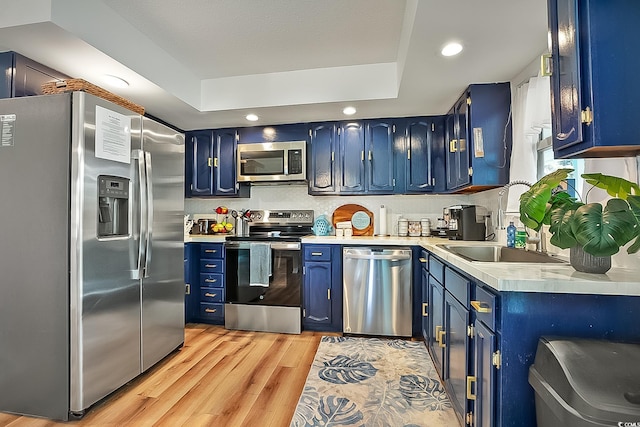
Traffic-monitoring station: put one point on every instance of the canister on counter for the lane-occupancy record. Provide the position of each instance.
(414, 228)
(425, 225)
(403, 227)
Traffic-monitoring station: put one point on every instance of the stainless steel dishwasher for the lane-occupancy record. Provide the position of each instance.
(377, 290)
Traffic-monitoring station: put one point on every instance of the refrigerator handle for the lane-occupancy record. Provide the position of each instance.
(138, 156)
(149, 184)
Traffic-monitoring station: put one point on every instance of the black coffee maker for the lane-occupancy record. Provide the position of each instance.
(464, 224)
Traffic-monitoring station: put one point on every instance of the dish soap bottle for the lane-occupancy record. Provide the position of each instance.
(511, 235)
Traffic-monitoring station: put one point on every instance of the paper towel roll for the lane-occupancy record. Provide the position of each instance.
(383, 220)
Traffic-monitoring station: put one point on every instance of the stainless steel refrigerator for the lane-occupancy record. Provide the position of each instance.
(91, 259)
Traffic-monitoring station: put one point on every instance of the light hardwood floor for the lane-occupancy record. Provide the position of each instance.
(219, 378)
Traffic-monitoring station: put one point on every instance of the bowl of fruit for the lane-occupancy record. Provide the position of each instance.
(221, 226)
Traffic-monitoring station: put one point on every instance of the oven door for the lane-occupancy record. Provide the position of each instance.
(285, 280)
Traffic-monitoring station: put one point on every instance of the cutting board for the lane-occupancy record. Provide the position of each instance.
(345, 213)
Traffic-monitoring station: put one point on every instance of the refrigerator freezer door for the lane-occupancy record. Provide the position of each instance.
(163, 279)
(34, 266)
(105, 295)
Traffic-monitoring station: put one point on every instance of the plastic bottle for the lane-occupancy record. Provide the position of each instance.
(521, 239)
(511, 235)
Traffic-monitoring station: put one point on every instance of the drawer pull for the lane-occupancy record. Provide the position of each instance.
(425, 305)
(481, 307)
(211, 265)
(210, 310)
(316, 253)
(211, 251)
(470, 380)
(423, 260)
(210, 295)
(211, 280)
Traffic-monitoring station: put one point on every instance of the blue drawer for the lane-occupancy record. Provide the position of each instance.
(212, 311)
(211, 266)
(485, 305)
(211, 250)
(317, 253)
(211, 295)
(458, 286)
(211, 280)
(436, 269)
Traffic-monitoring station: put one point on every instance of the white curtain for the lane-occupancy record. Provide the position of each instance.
(531, 112)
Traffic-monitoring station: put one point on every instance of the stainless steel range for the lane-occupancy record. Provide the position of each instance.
(264, 272)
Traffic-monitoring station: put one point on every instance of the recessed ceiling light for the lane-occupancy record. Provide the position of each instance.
(451, 49)
(252, 117)
(115, 81)
(349, 111)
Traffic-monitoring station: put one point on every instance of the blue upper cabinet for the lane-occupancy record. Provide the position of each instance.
(478, 138)
(321, 172)
(224, 167)
(379, 156)
(593, 82)
(199, 163)
(419, 146)
(20, 76)
(352, 157)
(210, 163)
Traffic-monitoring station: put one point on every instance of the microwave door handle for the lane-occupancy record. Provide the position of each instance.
(149, 195)
(285, 161)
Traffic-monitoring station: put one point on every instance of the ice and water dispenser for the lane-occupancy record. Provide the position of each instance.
(113, 206)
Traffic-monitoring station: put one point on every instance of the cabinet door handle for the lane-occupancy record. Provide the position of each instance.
(470, 380)
(370, 155)
(328, 294)
(452, 145)
(362, 155)
(481, 307)
(441, 335)
(209, 295)
(209, 162)
(563, 136)
(425, 311)
(545, 65)
(423, 260)
(211, 280)
(437, 333)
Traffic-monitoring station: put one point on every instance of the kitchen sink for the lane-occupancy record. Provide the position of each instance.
(492, 253)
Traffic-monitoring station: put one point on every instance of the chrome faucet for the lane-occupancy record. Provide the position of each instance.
(539, 239)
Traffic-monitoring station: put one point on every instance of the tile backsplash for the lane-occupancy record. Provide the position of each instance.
(295, 196)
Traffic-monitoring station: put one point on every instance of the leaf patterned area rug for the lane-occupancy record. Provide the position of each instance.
(357, 381)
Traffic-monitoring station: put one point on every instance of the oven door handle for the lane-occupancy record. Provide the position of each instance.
(285, 246)
(278, 246)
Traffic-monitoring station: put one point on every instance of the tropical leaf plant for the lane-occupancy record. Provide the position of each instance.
(599, 230)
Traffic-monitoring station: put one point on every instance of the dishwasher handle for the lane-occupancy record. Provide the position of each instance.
(378, 256)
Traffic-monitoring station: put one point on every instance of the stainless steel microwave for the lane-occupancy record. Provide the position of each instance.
(272, 161)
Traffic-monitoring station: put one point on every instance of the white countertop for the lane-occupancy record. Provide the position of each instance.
(502, 276)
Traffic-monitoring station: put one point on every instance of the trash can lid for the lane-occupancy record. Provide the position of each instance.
(599, 379)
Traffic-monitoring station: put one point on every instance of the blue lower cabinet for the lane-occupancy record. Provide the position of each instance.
(483, 341)
(207, 283)
(322, 288)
